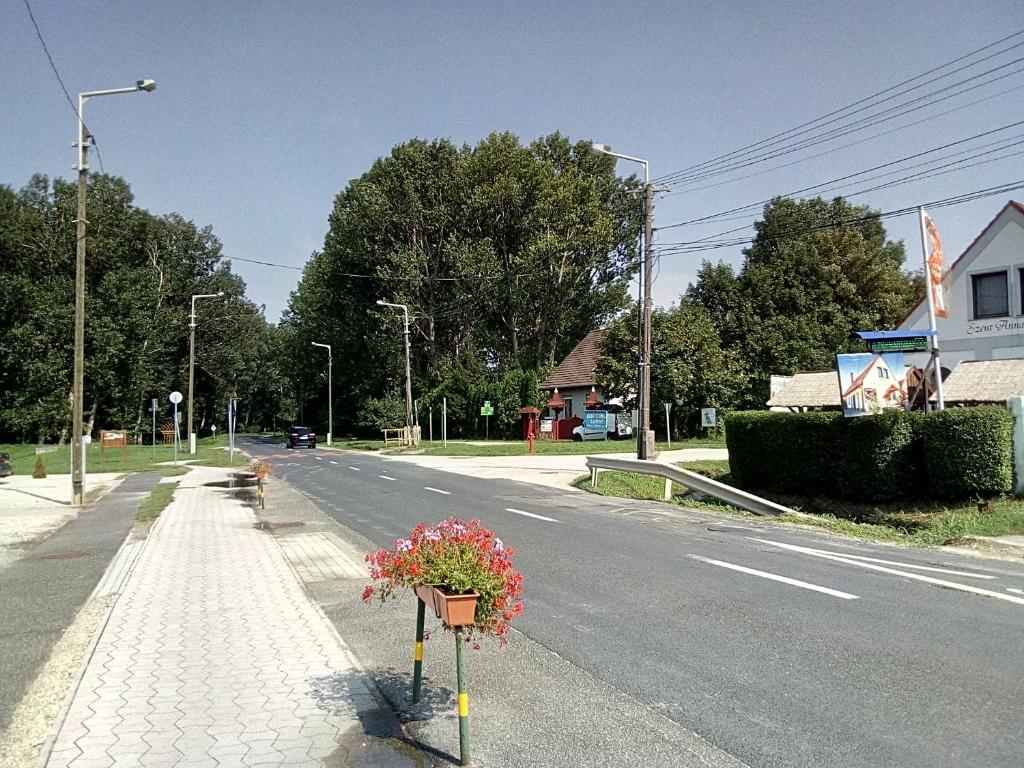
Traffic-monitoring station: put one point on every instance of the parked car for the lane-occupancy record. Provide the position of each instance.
(6, 470)
(301, 436)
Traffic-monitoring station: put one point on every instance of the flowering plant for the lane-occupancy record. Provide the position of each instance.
(459, 557)
(259, 467)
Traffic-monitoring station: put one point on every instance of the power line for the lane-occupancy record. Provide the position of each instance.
(60, 80)
(864, 101)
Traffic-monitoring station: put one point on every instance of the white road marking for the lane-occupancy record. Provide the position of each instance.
(894, 572)
(333, 461)
(385, 477)
(318, 458)
(907, 565)
(355, 469)
(1015, 590)
(776, 577)
(530, 514)
(436, 490)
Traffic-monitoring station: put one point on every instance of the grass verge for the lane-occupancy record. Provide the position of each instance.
(550, 447)
(923, 524)
(138, 458)
(156, 502)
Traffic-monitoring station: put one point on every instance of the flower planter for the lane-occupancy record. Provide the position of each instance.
(453, 610)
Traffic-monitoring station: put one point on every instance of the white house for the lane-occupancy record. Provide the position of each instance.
(986, 297)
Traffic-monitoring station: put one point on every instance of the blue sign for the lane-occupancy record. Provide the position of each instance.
(595, 421)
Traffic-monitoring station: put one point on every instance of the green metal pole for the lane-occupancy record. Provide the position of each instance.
(460, 666)
(417, 667)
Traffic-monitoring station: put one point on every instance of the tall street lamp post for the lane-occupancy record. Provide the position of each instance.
(192, 362)
(78, 382)
(330, 397)
(408, 369)
(645, 438)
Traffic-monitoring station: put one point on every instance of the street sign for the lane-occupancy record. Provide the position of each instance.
(175, 397)
(154, 406)
(908, 344)
(708, 417)
(487, 410)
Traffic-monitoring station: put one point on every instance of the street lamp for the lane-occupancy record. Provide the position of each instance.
(330, 397)
(192, 362)
(645, 438)
(408, 369)
(78, 381)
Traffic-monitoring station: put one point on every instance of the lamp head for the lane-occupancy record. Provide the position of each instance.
(146, 85)
(599, 149)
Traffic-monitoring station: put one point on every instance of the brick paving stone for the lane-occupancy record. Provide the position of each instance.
(213, 655)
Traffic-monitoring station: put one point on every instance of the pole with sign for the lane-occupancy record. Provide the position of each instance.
(153, 406)
(487, 410)
(175, 398)
(668, 424)
(708, 418)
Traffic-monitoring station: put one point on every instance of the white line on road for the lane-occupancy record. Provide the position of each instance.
(1015, 590)
(333, 461)
(893, 571)
(530, 514)
(436, 490)
(355, 469)
(318, 458)
(385, 477)
(950, 571)
(776, 577)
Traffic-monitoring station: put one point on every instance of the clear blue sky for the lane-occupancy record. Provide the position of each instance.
(264, 111)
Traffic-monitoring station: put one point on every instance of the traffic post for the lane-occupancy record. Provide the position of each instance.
(175, 398)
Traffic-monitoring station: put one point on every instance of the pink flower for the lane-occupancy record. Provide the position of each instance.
(403, 545)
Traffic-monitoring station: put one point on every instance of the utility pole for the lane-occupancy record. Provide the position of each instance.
(408, 367)
(645, 445)
(192, 362)
(78, 376)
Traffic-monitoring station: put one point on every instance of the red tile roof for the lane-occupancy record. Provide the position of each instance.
(577, 370)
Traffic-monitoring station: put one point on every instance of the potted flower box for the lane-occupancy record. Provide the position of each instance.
(454, 609)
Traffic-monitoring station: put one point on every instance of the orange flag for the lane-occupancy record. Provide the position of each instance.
(940, 294)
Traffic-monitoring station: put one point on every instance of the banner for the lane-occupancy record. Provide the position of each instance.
(872, 383)
(940, 292)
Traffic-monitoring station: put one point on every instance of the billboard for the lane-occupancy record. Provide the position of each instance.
(872, 382)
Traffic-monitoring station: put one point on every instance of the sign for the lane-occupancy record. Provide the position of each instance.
(487, 410)
(154, 406)
(547, 425)
(872, 383)
(595, 425)
(175, 397)
(908, 344)
(114, 438)
(708, 417)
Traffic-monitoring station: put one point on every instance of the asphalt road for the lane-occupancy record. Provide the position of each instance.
(779, 646)
(41, 593)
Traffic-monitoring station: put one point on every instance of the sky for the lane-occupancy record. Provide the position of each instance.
(264, 111)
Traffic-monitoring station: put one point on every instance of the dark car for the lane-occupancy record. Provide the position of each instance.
(301, 436)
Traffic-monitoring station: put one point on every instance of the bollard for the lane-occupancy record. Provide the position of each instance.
(417, 667)
(460, 667)
(259, 491)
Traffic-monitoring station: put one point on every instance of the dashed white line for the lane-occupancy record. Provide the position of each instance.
(437, 490)
(318, 458)
(530, 514)
(777, 577)
(355, 469)
(1015, 590)
(333, 461)
(385, 477)
(912, 566)
(893, 571)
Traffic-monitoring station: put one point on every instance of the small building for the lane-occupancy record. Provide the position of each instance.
(984, 382)
(986, 297)
(811, 391)
(574, 377)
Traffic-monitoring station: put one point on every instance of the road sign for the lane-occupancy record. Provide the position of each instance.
(154, 406)
(708, 417)
(909, 344)
(487, 410)
(175, 397)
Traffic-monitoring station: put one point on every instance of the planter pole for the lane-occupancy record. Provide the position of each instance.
(417, 667)
(460, 666)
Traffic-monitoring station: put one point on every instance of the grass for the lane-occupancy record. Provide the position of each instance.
(552, 447)
(139, 458)
(922, 523)
(156, 502)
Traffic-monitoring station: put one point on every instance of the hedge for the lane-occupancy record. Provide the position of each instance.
(969, 452)
(958, 453)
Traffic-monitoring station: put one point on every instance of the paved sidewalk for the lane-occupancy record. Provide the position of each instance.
(213, 655)
(552, 470)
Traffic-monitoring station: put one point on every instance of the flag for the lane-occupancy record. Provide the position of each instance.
(939, 289)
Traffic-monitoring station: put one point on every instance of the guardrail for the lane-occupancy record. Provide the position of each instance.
(699, 483)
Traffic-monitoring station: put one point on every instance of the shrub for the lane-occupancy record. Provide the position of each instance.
(968, 452)
(881, 456)
(39, 470)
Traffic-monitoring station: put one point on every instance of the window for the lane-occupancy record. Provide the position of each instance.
(991, 295)
(883, 373)
(567, 413)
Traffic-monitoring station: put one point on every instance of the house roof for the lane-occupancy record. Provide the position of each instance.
(960, 262)
(577, 370)
(808, 390)
(984, 381)
(857, 382)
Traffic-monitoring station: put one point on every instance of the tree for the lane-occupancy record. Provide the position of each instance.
(690, 368)
(816, 271)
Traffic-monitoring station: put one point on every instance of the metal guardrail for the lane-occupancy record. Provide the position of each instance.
(699, 483)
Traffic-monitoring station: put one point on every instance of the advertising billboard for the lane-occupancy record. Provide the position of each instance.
(872, 382)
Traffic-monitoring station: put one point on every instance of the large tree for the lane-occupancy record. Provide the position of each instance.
(506, 255)
(816, 271)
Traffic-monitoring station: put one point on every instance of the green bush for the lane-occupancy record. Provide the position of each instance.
(969, 452)
(880, 456)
